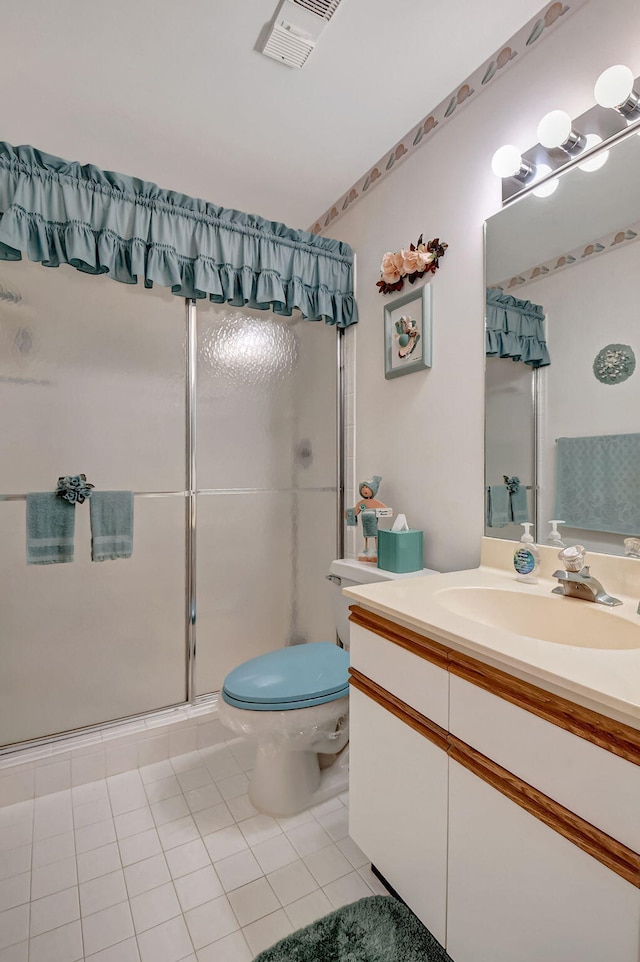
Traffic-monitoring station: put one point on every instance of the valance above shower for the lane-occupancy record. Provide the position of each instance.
(515, 329)
(59, 212)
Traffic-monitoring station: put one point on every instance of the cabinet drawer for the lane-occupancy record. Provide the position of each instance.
(413, 679)
(600, 787)
(519, 891)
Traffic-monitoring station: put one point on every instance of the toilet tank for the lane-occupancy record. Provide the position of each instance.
(346, 572)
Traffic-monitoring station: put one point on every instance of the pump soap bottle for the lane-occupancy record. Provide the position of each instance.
(554, 538)
(526, 558)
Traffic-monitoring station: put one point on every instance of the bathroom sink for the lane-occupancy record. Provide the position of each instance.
(563, 621)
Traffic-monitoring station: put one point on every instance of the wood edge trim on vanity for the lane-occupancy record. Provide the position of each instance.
(418, 644)
(605, 732)
(609, 852)
(414, 719)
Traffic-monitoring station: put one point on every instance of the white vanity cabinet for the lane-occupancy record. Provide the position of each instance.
(517, 890)
(398, 807)
(510, 823)
(398, 770)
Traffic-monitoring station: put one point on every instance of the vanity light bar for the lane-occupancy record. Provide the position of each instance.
(562, 141)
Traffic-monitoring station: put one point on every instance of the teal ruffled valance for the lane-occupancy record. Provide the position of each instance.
(59, 212)
(515, 329)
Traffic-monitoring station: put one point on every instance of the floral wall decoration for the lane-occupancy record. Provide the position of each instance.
(414, 262)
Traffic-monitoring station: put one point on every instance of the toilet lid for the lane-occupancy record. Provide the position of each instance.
(290, 677)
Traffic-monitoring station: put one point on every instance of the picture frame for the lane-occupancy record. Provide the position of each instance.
(408, 333)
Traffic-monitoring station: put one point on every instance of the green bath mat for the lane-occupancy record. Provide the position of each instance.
(375, 929)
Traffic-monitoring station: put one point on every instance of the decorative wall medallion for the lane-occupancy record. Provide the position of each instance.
(614, 363)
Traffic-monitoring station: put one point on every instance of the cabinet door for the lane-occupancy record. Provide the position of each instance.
(518, 890)
(398, 807)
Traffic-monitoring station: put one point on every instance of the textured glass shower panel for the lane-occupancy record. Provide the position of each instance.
(91, 380)
(262, 561)
(266, 400)
(88, 642)
(267, 448)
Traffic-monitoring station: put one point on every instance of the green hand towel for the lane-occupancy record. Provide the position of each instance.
(111, 525)
(497, 506)
(519, 505)
(50, 528)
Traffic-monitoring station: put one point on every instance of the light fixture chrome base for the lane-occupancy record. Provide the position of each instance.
(630, 106)
(525, 174)
(574, 143)
(608, 124)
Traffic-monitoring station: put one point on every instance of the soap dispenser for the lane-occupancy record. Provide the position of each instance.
(553, 537)
(526, 558)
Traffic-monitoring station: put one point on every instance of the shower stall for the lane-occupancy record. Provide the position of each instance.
(226, 424)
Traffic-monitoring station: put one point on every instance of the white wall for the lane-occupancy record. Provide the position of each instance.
(423, 432)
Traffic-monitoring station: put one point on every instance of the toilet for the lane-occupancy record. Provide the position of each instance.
(295, 703)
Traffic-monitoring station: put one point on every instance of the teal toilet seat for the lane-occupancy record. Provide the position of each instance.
(290, 678)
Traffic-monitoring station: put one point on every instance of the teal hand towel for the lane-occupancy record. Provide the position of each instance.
(519, 505)
(111, 525)
(597, 486)
(497, 506)
(50, 528)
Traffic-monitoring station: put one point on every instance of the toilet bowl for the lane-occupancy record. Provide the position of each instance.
(294, 702)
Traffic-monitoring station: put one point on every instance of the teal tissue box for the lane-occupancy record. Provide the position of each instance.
(400, 551)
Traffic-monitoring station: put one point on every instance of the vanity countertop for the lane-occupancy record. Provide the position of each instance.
(603, 679)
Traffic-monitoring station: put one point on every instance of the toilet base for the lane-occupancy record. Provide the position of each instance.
(285, 783)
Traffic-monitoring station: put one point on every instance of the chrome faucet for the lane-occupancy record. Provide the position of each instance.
(580, 583)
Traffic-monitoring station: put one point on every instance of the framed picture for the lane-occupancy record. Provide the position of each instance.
(407, 333)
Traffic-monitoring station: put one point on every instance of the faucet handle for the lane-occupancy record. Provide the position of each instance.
(573, 557)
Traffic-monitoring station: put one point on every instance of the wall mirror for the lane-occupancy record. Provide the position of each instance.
(565, 268)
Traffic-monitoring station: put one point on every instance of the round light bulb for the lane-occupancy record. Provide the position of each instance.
(506, 161)
(554, 129)
(546, 189)
(594, 163)
(614, 86)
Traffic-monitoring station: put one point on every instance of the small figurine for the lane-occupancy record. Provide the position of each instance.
(370, 509)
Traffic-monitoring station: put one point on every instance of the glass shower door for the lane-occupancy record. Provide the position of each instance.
(266, 469)
(91, 380)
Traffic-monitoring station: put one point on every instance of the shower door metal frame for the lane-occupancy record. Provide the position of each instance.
(191, 499)
(190, 495)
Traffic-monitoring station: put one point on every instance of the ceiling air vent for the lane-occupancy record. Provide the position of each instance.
(295, 29)
(288, 46)
(321, 8)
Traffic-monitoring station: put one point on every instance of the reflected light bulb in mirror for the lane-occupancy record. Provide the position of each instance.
(546, 189)
(507, 162)
(595, 163)
(614, 88)
(555, 130)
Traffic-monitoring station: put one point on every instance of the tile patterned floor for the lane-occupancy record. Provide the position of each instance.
(169, 862)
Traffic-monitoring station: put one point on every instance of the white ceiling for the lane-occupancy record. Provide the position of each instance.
(173, 91)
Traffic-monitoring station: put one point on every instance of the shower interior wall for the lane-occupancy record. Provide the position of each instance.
(92, 379)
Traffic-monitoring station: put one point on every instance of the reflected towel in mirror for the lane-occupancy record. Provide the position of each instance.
(497, 506)
(597, 482)
(519, 505)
